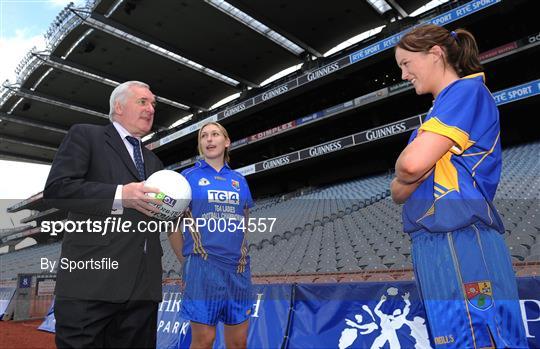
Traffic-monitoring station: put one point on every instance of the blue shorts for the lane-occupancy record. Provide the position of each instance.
(468, 288)
(213, 294)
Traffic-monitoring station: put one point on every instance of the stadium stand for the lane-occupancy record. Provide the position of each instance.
(27, 260)
(374, 232)
(317, 146)
(350, 227)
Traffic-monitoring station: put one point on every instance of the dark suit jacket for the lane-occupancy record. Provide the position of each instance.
(90, 163)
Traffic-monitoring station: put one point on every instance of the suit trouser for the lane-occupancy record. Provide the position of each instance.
(100, 324)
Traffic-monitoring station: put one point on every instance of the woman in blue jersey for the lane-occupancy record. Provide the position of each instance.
(447, 177)
(213, 245)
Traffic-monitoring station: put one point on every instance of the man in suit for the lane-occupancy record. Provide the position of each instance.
(111, 298)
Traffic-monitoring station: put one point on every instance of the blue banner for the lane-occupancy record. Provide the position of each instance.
(344, 315)
(515, 93)
(529, 295)
(49, 324)
(380, 315)
(359, 315)
(440, 20)
(171, 328)
(309, 118)
(6, 293)
(267, 325)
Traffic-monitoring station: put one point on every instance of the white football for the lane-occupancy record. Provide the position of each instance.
(175, 193)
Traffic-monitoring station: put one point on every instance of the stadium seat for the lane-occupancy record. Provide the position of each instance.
(535, 249)
(363, 248)
(385, 249)
(527, 226)
(533, 258)
(518, 251)
(521, 238)
(402, 265)
(394, 258)
(368, 259)
(375, 266)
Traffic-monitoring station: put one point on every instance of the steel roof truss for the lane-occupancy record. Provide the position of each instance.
(35, 124)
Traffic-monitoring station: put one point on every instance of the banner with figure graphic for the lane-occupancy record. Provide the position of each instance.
(381, 315)
(360, 315)
(346, 315)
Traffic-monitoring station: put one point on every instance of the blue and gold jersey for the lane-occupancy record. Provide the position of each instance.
(218, 203)
(461, 189)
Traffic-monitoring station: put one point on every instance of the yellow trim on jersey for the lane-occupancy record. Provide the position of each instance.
(456, 150)
(243, 258)
(431, 210)
(486, 154)
(446, 174)
(475, 154)
(197, 240)
(439, 190)
(460, 137)
(476, 75)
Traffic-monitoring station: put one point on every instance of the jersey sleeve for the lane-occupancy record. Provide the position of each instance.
(249, 199)
(455, 113)
(185, 174)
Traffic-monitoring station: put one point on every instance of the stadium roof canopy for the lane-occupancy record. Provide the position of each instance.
(192, 53)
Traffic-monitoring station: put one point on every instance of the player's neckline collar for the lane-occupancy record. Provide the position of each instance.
(205, 164)
(472, 76)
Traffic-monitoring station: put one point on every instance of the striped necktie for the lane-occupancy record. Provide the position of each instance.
(138, 156)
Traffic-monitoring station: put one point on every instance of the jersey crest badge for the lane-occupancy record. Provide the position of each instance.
(479, 294)
(204, 182)
(235, 184)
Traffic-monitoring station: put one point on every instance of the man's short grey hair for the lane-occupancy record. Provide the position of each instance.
(120, 93)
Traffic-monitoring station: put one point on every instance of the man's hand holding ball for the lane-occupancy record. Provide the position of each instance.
(134, 195)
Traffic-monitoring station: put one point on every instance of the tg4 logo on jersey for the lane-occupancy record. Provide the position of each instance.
(224, 197)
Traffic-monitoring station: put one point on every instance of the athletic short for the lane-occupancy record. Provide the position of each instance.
(469, 289)
(213, 294)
